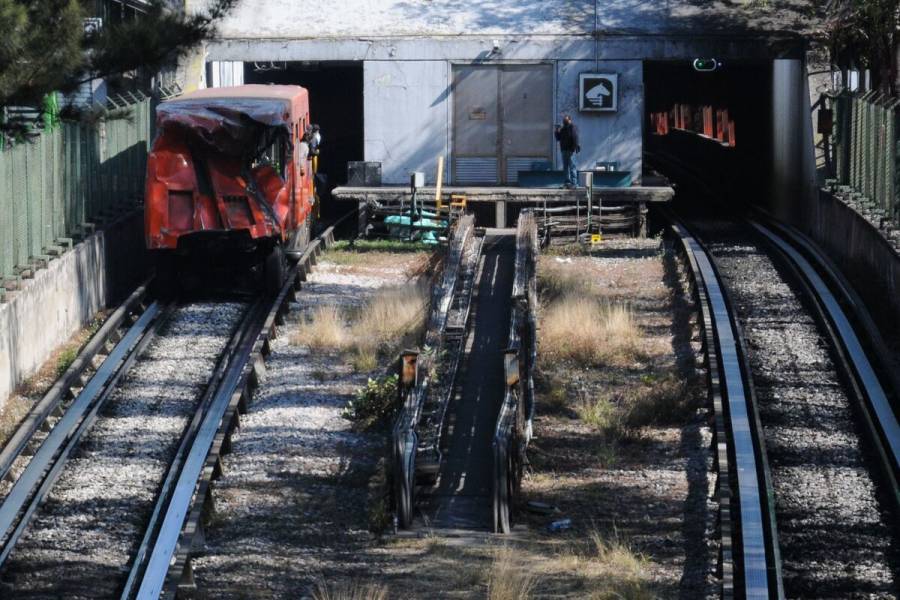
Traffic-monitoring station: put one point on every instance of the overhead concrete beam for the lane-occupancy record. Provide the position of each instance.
(512, 48)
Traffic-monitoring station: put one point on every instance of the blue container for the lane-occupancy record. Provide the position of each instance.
(612, 178)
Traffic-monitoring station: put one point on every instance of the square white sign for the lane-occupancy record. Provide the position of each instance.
(598, 92)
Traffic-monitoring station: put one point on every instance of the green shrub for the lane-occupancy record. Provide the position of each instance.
(65, 360)
(374, 401)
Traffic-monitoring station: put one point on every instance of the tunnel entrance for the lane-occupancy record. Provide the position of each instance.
(335, 104)
(718, 129)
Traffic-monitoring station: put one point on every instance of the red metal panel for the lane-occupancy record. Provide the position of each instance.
(215, 131)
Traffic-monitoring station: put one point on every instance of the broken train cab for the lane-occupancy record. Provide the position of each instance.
(228, 191)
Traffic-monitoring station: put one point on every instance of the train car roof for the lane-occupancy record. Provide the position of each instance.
(214, 108)
(272, 92)
(229, 119)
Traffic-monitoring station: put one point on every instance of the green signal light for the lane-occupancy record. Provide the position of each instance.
(706, 64)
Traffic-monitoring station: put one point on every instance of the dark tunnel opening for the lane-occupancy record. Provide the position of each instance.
(335, 104)
(735, 170)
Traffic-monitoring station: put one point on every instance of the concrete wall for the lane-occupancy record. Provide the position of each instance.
(407, 117)
(65, 296)
(472, 48)
(793, 158)
(616, 136)
(225, 74)
(866, 258)
(299, 19)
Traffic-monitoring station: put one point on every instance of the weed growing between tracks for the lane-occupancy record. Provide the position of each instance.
(508, 578)
(621, 441)
(589, 332)
(372, 333)
(349, 591)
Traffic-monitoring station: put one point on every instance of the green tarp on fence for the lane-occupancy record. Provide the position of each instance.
(69, 175)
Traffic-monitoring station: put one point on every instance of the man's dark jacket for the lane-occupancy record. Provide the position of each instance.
(568, 138)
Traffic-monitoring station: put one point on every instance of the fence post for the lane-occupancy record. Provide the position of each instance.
(894, 162)
(855, 141)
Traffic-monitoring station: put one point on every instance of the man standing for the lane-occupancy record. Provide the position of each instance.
(567, 136)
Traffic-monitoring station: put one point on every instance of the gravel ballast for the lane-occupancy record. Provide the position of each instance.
(80, 543)
(835, 537)
(293, 497)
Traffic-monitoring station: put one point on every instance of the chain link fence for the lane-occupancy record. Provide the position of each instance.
(59, 185)
(867, 149)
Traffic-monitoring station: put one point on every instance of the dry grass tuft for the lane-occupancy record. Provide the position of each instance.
(602, 414)
(349, 591)
(622, 571)
(508, 578)
(559, 280)
(589, 332)
(325, 329)
(609, 568)
(617, 556)
(664, 400)
(392, 318)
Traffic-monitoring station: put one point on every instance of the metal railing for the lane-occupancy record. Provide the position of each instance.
(867, 149)
(514, 422)
(419, 374)
(57, 185)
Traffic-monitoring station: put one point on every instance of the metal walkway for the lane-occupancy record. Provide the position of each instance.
(462, 497)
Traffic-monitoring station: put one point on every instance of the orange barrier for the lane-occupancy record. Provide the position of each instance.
(711, 122)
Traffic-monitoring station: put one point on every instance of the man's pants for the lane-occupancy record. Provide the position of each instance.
(569, 168)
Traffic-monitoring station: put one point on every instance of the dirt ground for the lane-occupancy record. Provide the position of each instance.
(301, 490)
(645, 479)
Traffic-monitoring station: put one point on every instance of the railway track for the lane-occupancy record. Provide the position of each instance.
(108, 477)
(807, 440)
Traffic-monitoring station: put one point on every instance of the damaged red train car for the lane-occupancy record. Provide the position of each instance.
(228, 188)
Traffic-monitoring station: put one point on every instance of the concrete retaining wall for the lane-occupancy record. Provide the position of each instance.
(866, 258)
(65, 296)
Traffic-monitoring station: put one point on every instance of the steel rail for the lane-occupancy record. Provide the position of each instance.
(47, 464)
(177, 509)
(756, 546)
(168, 551)
(451, 338)
(510, 440)
(55, 397)
(723, 460)
(878, 414)
(167, 489)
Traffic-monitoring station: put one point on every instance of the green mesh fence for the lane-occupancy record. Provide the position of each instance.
(55, 185)
(867, 149)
